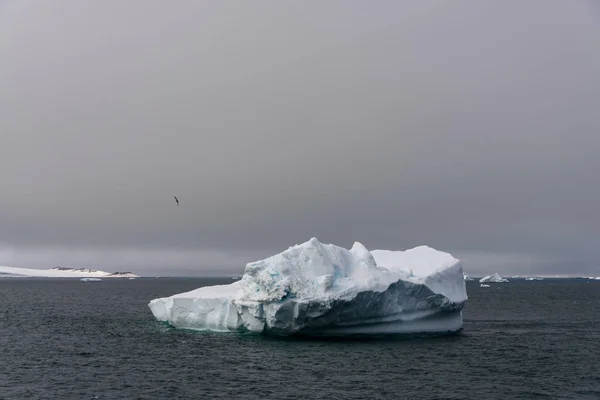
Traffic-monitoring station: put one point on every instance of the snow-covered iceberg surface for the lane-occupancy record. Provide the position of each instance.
(61, 272)
(493, 278)
(322, 289)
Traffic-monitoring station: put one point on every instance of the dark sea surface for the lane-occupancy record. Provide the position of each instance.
(66, 339)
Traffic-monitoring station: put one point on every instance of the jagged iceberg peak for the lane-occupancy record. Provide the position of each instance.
(322, 289)
(310, 270)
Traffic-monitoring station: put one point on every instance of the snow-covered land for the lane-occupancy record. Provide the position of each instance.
(322, 289)
(495, 278)
(60, 272)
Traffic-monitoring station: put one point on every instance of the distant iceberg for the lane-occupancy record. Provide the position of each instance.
(467, 277)
(532, 278)
(61, 272)
(484, 285)
(322, 289)
(495, 278)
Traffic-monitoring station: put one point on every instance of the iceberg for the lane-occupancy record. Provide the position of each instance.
(533, 278)
(484, 285)
(61, 272)
(318, 289)
(467, 277)
(91, 280)
(495, 278)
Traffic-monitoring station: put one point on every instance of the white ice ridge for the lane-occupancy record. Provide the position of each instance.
(323, 289)
(60, 272)
(495, 278)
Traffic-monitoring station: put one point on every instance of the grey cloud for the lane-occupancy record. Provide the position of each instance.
(470, 127)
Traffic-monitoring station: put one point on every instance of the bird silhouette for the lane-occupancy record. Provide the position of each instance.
(176, 200)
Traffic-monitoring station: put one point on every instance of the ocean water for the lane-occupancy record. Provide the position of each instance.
(66, 339)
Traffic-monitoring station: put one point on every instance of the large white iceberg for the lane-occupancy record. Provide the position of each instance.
(61, 272)
(322, 289)
(495, 278)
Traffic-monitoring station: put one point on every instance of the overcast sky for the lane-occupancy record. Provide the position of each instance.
(469, 126)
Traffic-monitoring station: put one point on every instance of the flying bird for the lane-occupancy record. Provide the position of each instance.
(176, 200)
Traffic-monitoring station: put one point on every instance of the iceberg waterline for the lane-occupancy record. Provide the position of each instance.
(322, 289)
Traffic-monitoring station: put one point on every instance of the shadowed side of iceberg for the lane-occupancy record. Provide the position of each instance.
(403, 308)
